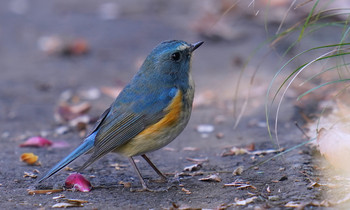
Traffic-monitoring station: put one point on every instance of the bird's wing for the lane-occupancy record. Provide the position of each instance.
(125, 120)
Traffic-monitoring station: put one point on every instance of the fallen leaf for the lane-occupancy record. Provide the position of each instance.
(186, 191)
(235, 151)
(190, 149)
(169, 149)
(238, 171)
(30, 174)
(198, 160)
(58, 197)
(268, 189)
(66, 112)
(70, 203)
(118, 166)
(267, 151)
(33, 192)
(211, 178)
(125, 184)
(76, 47)
(36, 141)
(78, 182)
(29, 158)
(244, 202)
(194, 167)
(240, 185)
(197, 173)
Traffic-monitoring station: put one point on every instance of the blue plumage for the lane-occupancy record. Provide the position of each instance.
(150, 111)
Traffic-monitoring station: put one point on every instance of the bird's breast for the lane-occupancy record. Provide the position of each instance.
(164, 131)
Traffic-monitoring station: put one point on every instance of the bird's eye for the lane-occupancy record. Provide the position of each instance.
(176, 56)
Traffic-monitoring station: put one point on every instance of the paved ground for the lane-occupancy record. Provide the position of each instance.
(32, 81)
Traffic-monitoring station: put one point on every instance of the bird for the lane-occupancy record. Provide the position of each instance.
(149, 113)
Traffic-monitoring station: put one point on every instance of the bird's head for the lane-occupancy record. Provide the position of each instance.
(171, 57)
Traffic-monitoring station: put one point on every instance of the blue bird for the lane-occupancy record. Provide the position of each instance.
(149, 113)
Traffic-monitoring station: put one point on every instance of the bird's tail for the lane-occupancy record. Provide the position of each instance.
(82, 149)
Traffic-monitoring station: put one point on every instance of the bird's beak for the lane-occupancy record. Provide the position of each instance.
(195, 46)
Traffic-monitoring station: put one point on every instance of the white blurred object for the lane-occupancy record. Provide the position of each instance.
(333, 138)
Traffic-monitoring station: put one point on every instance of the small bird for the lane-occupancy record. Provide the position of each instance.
(149, 113)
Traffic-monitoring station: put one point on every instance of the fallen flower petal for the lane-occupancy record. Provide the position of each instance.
(60, 144)
(29, 158)
(78, 182)
(36, 141)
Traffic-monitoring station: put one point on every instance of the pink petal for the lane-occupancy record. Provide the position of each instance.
(36, 141)
(60, 144)
(78, 182)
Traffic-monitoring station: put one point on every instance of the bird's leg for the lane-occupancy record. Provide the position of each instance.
(154, 167)
(144, 186)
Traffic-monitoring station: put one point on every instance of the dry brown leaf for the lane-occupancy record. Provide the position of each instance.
(186, 191)
(235, 151)
(66, 112)
(240, 185)
(125, 184)
(58, 197)
(190, 149)
(33, 192)
(244, 202)
(211, 178)
(198, 160)
(29, 158)
(30, 174)
(238, 171)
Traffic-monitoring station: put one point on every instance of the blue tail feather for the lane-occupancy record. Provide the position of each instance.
(82, 149)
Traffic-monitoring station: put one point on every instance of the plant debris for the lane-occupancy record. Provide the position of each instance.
(66, 112)
(30, 174)
(190, 149)
(194, 167)
(212, 178)
(186, 191)
(70, 203)
(78, 182)
(238, 171)
(241, 151)
(29, 158)
(36, 141)
(125, 184)
(198, 160)
(240, 185)
(33, 192)
(240, 202)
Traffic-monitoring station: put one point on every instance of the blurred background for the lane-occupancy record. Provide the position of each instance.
(62, 63)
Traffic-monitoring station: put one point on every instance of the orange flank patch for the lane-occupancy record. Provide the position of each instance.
(174, 110)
